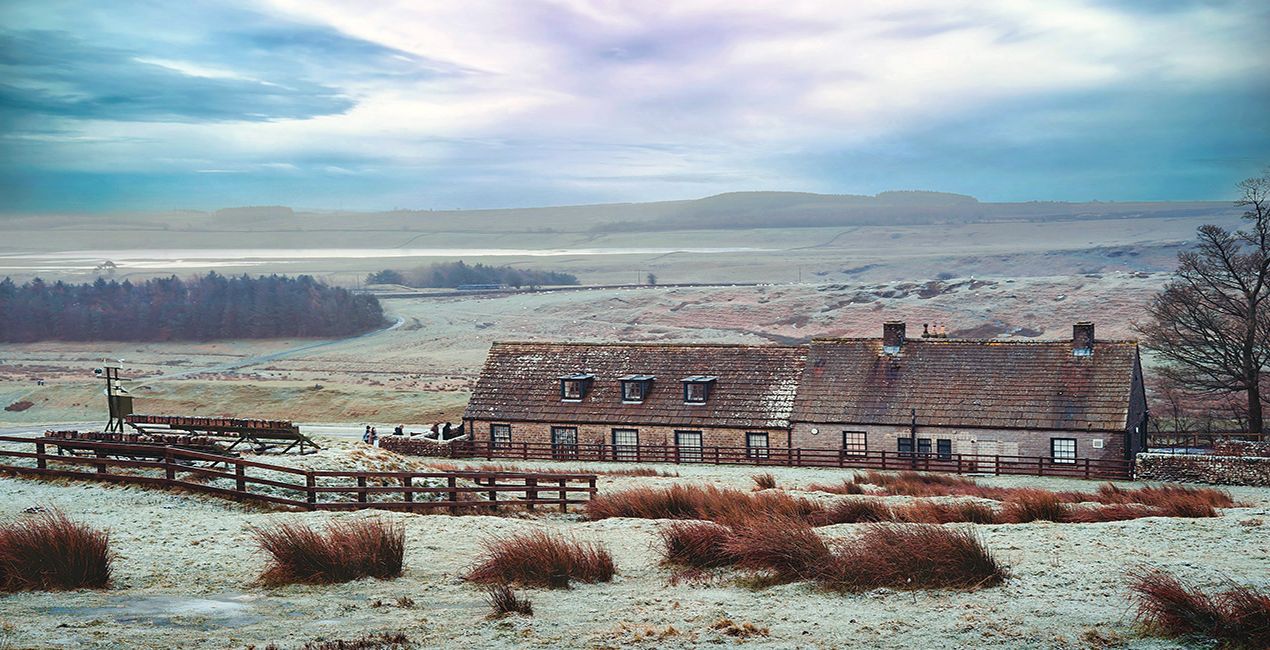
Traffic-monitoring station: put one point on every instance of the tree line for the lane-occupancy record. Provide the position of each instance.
(457, 274)
(171, 309)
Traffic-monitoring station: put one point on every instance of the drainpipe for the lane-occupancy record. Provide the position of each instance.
(912, 436)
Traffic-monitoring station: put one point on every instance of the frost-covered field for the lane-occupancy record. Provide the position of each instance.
(185, 569)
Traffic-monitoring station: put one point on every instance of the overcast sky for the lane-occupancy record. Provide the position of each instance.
(467, 103)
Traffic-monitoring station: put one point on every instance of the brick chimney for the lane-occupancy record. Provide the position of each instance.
(1083, 339)
(892, 336)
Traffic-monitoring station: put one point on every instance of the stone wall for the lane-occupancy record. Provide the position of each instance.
(1204, 468)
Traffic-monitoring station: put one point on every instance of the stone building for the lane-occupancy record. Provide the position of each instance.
(931, 397)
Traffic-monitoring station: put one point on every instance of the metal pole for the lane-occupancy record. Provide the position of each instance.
(912, 436)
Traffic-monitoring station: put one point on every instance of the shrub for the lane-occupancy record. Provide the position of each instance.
(1236, 618)
(1027, 505)
(542, 559)
(347, 550)
(50, 552)
(853, 511)
(504, 601)
(788, 549)
(912, 556)
(764, 482)
(698, 544)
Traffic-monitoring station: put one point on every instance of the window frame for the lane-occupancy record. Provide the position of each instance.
(755, 452)
(943, 448)
(852, 448)
(702, 385)
(494, 430)
(900, 446)
(1064, 459)
(564, 450)
(698, 449)
(625, 451)
(640, 385)
(923, 447)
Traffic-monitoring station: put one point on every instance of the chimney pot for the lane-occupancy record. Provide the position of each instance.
(892, 336)
(1083, 339)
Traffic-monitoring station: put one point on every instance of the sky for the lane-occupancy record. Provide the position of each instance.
(341, 104)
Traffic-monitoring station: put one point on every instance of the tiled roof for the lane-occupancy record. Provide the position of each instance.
(755, 385)
(990, 384)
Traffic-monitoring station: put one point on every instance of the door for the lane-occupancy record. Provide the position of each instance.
(625, 444)
(688, 445)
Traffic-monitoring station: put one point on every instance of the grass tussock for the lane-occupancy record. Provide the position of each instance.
(721, 505)
(854, 511)
(913, 556)
(1238, 617)
(932, 512)
(1162, 496)
(48, 551)
(845, 487)
(645, 472)
(1026, 506)
(344, 551)
(540, 559)
(504, 601)
(787, 550)
(696, 544)
(380, 641)
(764, 481)
(746, 630)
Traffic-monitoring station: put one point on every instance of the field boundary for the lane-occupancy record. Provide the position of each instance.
(1086, 468)
(173, 467)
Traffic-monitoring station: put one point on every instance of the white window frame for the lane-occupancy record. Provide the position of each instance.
(497, 441)
(1064, 458)
(753, 451)
(850, 447)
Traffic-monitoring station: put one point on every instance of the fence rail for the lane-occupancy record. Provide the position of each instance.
(173, 467)
(1091, 468)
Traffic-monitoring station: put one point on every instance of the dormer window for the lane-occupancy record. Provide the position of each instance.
(574, 387)
(635, 388)
(697, 388)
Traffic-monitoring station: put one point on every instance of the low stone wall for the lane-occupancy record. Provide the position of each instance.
(1241, 448)
(1204, 468)
(456, 448)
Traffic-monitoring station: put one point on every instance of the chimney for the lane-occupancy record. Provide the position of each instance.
(1083, 339)
(892, 336)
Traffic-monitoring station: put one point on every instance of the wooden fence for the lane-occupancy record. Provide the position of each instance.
(1090, 468)
(172, 467)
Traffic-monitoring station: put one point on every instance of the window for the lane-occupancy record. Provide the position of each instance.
(923, 446)
(855, 443)
(625, 444)
(688, 446)
(574, 387)
(697, 388)
(635, 388)
(904, 445)
(943, 447)
(756, 445)
(564, 443)
(500, 436)
(1063, 450)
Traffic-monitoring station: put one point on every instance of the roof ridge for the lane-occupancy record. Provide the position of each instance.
(946, 341)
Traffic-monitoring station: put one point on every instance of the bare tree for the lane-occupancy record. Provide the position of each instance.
(1211, 323)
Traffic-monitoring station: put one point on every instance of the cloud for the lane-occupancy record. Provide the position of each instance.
(586, 100)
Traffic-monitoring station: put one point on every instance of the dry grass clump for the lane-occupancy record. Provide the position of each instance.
(728, 627)
(845, 487)
(698, 502)
(912, 556)
(787, 550)
(380, 641)
(494, 467)
(346, 550)
(48, 551)
(503, 601)
(1236, 618)
(696, 544)
(542, 559)
(1163, 496)
(1027, 505)
(932, 512)
(764, 481)
(916, 484)
(854, 511)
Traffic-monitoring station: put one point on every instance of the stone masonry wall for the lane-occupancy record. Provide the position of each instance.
(1205, 468)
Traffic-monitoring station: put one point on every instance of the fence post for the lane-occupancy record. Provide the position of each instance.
(996, 465)
(361, 489)
(168, 470)
(564, 497)
(454, 495)
(310, 492)
(240, 476)
(883, 459)
(531, 490)
(40, 462)
(1040, 466)
(101, 467)
(1086, 468)
(493, 494)
(407, 495)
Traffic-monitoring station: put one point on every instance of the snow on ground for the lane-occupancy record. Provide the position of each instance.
(186, 564)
